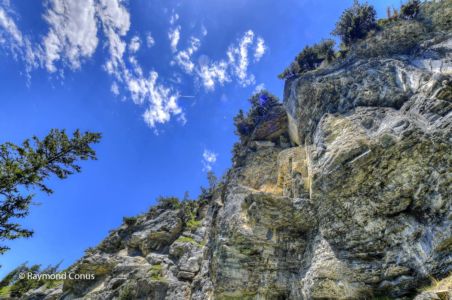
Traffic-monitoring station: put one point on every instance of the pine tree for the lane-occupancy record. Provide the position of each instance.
(25, 168)
(355, 22)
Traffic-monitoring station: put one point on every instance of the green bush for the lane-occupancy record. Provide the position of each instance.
(193, 224)
(310, 59)
(437, 15)
(410, 10)
(168, 202)
(261, 103)
(128, 292)
(186, 239)
(355, 23)
(156, 272)
(398, 37)
(129, 221)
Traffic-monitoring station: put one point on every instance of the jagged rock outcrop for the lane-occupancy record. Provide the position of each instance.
(344, 192)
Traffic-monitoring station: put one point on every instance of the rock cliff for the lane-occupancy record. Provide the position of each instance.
(341, 192)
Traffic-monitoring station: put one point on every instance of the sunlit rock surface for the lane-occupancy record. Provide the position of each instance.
(342, 192)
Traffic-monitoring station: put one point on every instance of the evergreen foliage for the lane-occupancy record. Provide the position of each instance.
(261, 103)
(168, 202)
(26, 167)
(410, 10)
(355, 22)
(14, 286)
(310, 58)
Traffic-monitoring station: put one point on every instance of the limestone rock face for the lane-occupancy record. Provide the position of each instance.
(356, 205)
(378, 142)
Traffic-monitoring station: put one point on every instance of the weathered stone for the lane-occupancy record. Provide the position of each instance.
(357, 205)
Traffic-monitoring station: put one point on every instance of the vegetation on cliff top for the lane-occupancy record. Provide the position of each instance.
(361, 34)
(261, 103)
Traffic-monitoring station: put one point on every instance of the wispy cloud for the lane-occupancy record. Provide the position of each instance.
(209, 158)
(259, 88)
(214, 73)
(77, 28)
(9, 27)
(203, 30)
(115, 20)
(238, 58)
(173, 18)
(161, 100)
(234, 67)
(183, 58)
(114, 88)
(260, 49)
(174, 36)
(149, 40)
(134, 44)
(18, 45)
(72, 33)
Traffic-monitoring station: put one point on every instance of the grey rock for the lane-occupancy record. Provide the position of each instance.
(356, 205)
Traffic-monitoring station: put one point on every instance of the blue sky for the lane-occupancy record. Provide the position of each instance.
(161, 80)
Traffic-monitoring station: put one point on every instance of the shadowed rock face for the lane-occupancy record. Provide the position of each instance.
(356, 205)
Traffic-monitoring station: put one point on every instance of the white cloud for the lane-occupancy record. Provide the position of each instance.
(174, 36)
(13, 41)
(235, 67)
(149, 40)
(208, 159)
(134, 44)
(9, 26)
(114, 16)
(115, 88)
(72, 32)
(115, 20)
(183, 58)
(161, 100)
(72, 38)
(259, 88)
(260, 49)
(173, 19)
(238, 58)
(212, 73)
(203, 30)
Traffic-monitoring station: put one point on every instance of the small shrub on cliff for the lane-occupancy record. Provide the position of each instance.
(410, 10)
(310, 59)
(261, 103)
(436, 15)
(168, 202)
(355, 23)
(128, 292)
(156, 272)
(130, 220)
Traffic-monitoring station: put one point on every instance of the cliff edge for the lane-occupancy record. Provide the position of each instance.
(341, 192)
